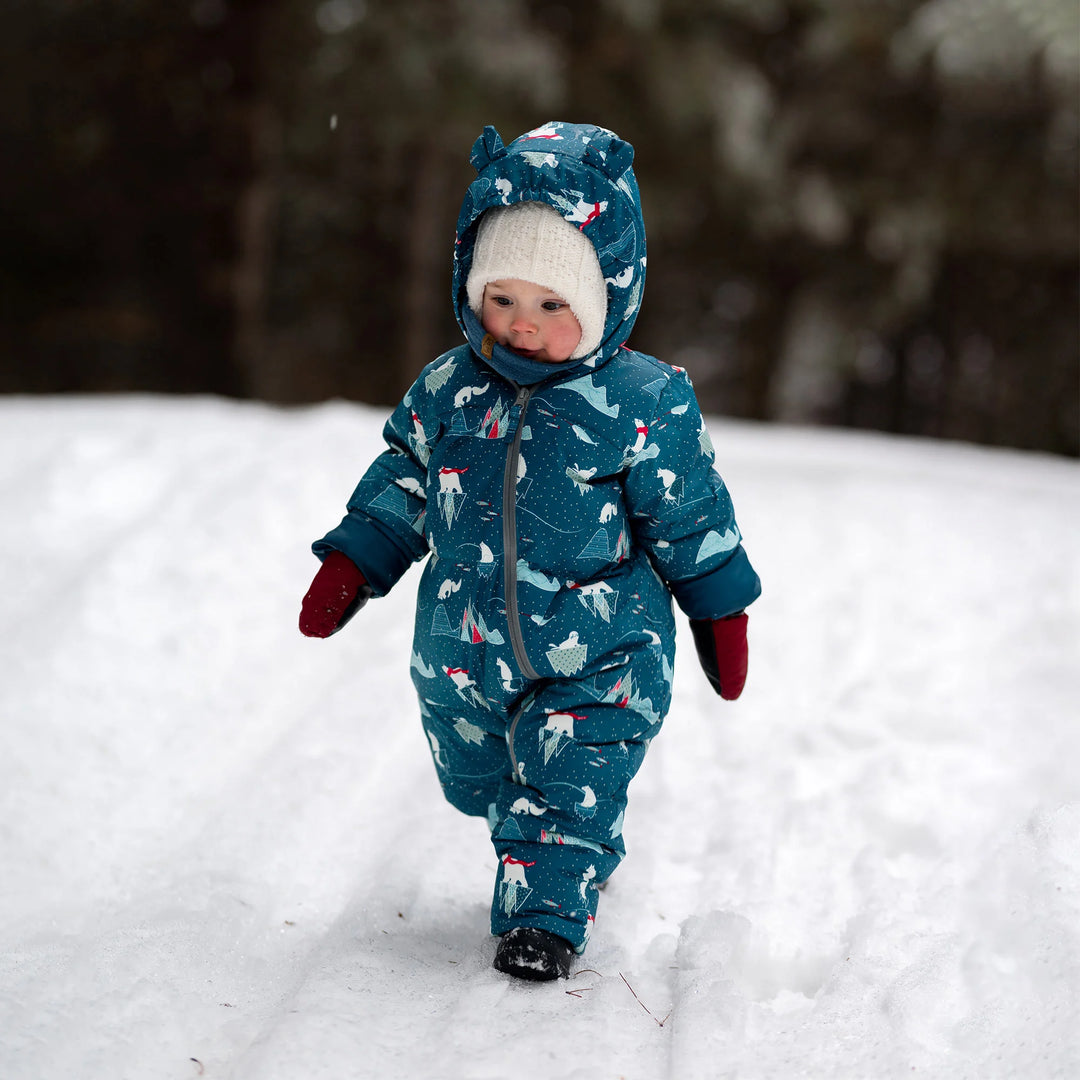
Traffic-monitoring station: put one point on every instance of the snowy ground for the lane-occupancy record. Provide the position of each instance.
(223, 850)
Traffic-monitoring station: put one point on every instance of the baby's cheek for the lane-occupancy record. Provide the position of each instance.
(569, 337)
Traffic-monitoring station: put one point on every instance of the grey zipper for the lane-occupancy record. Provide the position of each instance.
(513, 619)
(518, 779)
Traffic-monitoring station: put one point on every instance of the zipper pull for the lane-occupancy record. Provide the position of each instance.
(514, 417)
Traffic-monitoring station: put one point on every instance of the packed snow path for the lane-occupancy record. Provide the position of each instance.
(224, 852)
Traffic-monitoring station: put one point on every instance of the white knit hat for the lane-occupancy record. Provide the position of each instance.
(532, 241)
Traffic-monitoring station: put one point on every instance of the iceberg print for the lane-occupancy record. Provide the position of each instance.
(395, 501)
(422, 667)
(599, 547)
(440, 623)
(715, 544)
(595, 395)
(569, 657)
(534, 577)
(459, 425)
(599, 598)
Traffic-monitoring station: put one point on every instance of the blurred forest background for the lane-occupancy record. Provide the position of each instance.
(860, 212)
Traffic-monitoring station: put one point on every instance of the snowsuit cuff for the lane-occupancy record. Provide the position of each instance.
(723, 591)
(378, 556)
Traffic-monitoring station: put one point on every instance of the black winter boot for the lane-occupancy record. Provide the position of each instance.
(533, 954)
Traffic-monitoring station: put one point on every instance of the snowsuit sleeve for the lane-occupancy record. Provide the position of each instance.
(683, 514)
(383, 531)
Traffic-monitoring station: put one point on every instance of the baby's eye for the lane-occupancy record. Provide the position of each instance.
(553, 305)
(501, 301)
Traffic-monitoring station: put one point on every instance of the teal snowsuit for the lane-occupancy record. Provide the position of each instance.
(562, 506)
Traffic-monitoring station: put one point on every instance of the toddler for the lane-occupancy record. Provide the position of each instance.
(562, 487)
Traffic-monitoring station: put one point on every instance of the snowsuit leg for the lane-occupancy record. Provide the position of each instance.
(549, 768)
(468, 746)
(558, 827)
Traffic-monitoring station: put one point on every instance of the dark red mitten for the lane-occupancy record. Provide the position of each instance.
(721, 648)
(337, 593)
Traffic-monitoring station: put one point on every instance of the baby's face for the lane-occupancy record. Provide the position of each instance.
(531, 320)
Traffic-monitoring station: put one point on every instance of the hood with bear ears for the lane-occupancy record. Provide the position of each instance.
(585, 173)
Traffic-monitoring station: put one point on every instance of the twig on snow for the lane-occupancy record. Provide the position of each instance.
(659, 1023)
(581, 989)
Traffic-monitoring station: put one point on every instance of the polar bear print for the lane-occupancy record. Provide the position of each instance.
(450, 481)
(514, 871)
(562, 723)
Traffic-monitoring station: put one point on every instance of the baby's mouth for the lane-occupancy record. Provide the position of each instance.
(531, 354)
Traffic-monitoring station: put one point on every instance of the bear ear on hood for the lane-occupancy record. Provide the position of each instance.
(612, 159)
(487, 148)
